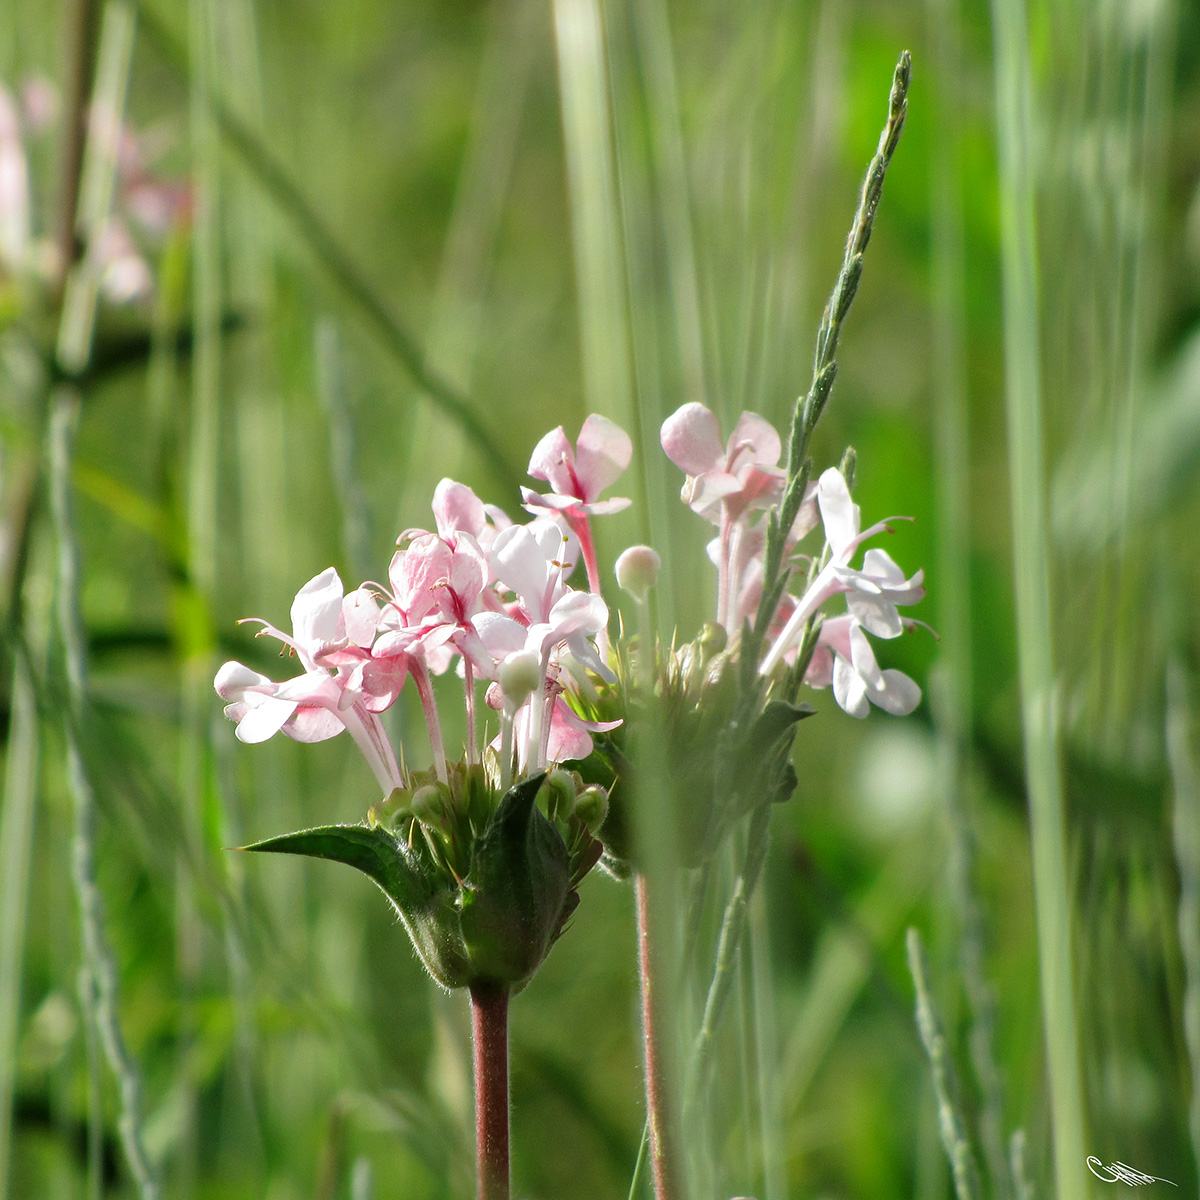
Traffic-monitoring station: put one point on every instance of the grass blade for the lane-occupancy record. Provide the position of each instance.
(1035, 644)
(16, 843)
(1185, 781)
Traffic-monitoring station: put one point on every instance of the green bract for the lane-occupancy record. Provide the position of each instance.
(483, 883)
(725, 754)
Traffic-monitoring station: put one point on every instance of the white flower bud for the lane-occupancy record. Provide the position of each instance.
(519, 675)
(637, 571)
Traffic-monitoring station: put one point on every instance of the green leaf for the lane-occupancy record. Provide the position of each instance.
(428, 910)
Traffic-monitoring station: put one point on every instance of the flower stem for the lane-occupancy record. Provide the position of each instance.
(587, 547)
(664, 1142)
(420, 674)
(489, 1024)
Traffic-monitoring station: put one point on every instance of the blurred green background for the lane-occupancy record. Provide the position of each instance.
(409, 238)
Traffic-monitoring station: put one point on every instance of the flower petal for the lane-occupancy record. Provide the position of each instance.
(849, 689)
(311, 723)
(691, 438)
(360, 613)
(317, 610)
(876, 614)
(553, 460)
(756, 436)
(457, 509)
(264, 716)
(899, 694)
(602, 452)
(839, 513)
(234, 678)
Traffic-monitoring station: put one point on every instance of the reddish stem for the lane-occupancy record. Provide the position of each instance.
(489, 1025)
(587, 547)
(664, 1144)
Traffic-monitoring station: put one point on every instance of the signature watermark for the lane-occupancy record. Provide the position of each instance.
(1119, 1172)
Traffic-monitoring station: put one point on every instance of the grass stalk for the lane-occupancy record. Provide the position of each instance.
(653, 43)
(724, 974)
(16, 846)
(809, 407)
(99, 976)
(80, 30)
(1185, 827)
(772, 1141)
(98, 175)
(1035, 644)
(1022, 1186)
(945, 1082)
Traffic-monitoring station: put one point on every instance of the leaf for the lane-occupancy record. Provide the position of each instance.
(430, 913)
(375, 852)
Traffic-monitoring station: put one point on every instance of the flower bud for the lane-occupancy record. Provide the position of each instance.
(637, 571)
(712, 640)
(519, 675)
(558, 794)
(389, 810)
(591, 807)
(432, 805)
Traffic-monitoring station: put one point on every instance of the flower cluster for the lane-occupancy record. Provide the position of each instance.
(732, 486)
(482, 594)
(492, 598)
(480, 856)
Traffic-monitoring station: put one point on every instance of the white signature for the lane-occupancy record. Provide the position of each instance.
(1120, 1173)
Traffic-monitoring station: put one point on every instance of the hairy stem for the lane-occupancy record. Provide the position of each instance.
(664, 1140)
(489, 1027)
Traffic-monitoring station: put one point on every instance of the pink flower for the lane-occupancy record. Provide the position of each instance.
(534, 561)
(728, 484)
(724, 481)
(577, 477)
(845, 658)
(316, 705)
(873, 592)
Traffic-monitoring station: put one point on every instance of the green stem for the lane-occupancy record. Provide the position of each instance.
(99, 980)
(945, 1081)
(81, 26)
(664, 1140)
(17, 819)
(728, 944)
(489, 1026)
